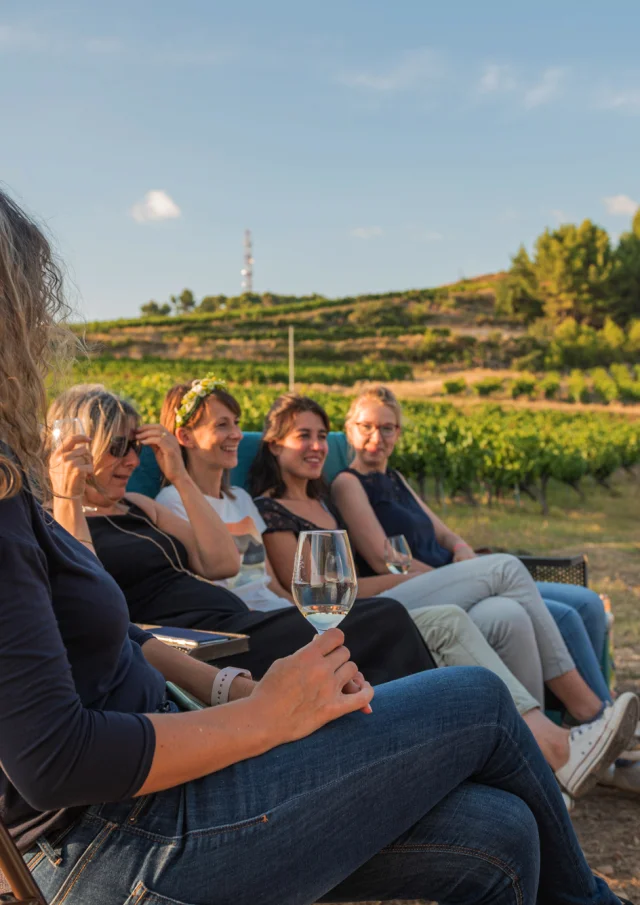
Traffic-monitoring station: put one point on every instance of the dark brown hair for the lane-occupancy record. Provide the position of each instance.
(265, 474)
(171, 404)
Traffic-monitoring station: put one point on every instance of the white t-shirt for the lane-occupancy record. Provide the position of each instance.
(247, 526)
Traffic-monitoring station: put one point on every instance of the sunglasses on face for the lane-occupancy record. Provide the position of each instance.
(120, 447)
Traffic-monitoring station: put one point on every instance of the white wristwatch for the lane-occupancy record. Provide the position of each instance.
(222, 684)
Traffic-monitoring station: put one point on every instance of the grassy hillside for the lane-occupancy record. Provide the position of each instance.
(399, 327)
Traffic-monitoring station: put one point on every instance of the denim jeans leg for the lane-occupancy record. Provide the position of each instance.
(586, 603)
(436, 780)
(579, 646)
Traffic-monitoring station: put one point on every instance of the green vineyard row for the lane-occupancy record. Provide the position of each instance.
(487, 448)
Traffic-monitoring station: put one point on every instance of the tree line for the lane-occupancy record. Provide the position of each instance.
(575, 272)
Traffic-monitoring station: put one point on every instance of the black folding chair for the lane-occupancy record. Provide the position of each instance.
(24, 889)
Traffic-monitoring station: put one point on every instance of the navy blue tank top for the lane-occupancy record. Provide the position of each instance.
(399, 512)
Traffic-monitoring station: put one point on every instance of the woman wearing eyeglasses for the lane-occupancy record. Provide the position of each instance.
(172, 569)
(289, 493)
(376, 501)
(113, 796)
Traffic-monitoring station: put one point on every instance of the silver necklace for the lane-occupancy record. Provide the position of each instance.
(177, 566)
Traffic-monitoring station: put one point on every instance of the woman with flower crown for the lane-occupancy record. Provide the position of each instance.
(286, 792)
(168, 568)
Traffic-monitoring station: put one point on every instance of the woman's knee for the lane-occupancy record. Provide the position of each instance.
(504, 620)
(565, 617)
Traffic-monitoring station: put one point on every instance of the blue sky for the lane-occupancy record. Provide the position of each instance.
(369, 145)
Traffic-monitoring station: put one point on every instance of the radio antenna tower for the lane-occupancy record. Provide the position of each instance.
(247, 270)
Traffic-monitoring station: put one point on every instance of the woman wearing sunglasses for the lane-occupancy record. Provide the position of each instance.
(115, 455)
(112, 796)
(169, 567)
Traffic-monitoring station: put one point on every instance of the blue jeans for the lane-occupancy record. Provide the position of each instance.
(441, 794)
(581, 618)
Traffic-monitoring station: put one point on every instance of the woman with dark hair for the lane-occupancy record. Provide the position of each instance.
(209, 440)
(291, 457)
(113, 796)
(169, 568)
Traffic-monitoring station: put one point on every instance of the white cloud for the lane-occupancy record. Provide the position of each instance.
(497, 78)
(156, 205)
(620, 205)
(16, 37)
(559, 216)
(432, 236)
(546, 89)
(416, 69)
(366, 232)
(622, 101)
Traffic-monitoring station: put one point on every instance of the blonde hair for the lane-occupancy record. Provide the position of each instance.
(379, 394)
(32, 338)
(103, 414)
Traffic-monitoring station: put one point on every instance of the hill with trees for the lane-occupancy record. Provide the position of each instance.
(572, 302)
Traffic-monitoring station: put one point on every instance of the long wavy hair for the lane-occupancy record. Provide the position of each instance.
(34, 342)
(265, 473)
(170, 406)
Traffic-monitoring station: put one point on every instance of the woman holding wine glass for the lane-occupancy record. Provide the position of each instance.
(205, 419)
(176, 571)
(113, 796)
(291, 498)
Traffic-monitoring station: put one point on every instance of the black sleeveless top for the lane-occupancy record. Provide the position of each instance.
(399, 512)
(278, 518)
(156, 593)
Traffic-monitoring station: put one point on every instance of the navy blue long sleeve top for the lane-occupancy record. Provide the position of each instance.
(74, 684)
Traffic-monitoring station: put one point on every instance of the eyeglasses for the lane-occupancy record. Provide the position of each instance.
(120, 446)
(387, 431)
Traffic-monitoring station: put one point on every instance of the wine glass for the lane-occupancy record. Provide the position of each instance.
(397, 554)
(63, 428)
(324, 578)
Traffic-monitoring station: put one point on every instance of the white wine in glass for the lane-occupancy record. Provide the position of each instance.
(324, 583)
(63, 428)
(397, 554)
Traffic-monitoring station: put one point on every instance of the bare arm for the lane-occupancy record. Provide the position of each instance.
(298, 695)
(281, 549)
(210, 547)
(194, 676)
(365, 531)
(274, 584)
(282, 546)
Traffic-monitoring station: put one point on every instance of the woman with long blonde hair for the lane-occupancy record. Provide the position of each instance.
(113, 796)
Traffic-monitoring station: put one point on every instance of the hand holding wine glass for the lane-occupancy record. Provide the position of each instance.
(397, 554)
(324, 583)
(71, 462)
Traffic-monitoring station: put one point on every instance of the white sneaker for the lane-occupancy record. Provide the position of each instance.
(568, 801)
(623, 774)
(593, 746)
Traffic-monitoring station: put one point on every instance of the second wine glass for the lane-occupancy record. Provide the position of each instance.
(324, 583)
(63, 428)
(397, 554)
